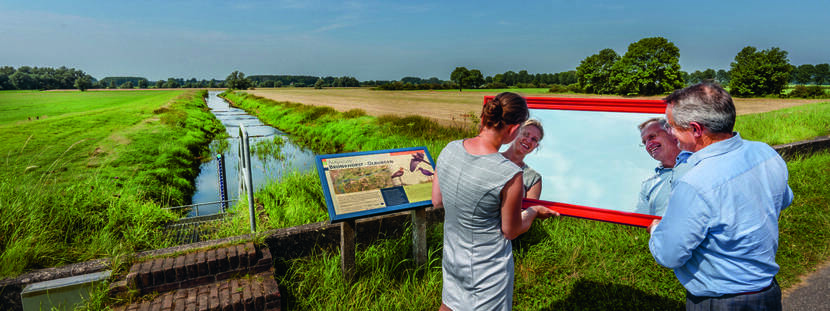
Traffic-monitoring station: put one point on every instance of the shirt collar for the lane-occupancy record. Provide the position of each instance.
(681, 158)
(716, 149)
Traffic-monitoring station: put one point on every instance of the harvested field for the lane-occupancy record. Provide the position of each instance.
(449, 107)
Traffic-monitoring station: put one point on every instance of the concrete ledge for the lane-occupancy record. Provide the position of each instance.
(803, 148)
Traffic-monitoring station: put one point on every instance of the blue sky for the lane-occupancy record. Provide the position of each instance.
(386, 40)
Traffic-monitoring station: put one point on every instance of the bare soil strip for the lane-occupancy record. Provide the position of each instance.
(450, 107)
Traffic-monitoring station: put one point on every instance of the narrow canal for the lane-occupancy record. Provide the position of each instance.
(272, 154)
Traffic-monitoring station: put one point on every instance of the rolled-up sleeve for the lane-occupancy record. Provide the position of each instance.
(788, 198)
(683, 227)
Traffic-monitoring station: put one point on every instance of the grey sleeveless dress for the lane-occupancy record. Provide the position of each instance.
(478, 260)
(529, 177)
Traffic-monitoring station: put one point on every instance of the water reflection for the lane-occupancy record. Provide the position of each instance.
(272, 161)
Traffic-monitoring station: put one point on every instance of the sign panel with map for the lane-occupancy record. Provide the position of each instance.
(369, 183)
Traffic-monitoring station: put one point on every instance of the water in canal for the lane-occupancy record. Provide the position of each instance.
(264, 167)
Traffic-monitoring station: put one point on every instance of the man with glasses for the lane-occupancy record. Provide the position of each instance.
(720, 230)
(662, 146)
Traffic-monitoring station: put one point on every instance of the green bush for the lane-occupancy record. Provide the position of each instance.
(354, 113)
(575, 88)
(558, 88)
(813, 91)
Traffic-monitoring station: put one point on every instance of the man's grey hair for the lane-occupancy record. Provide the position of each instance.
(662, 121)
(706, 103)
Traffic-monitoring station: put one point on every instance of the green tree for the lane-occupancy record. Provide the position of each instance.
(758, 73)
(171, 83)
(126, 85)
(237, 81)
(22, 80)
(803, 74)
(650, 66)
(594, 72)
(142, 84)
(459, 76)
(722, 76)
(822, 74)
(700, 76)
(474, 79)
(319, 84)
(83, 83)
(5, 72)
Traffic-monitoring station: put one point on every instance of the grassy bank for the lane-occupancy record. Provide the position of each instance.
(86, 177)
(561, 263)
(786, 125)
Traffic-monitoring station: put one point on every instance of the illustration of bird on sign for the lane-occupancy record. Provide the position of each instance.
(398, 175)
(426, 173)
(417, 158)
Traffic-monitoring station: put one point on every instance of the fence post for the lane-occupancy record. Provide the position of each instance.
(347, 249)
(223, 184)
(419, 235)
(245, 159)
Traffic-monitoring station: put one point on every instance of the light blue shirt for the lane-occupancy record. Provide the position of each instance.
(655, 191)
(720, 230)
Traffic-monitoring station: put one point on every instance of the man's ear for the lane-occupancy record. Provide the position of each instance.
(514, 128)
(697, 129)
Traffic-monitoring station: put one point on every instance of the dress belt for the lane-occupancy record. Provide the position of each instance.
(758, 291)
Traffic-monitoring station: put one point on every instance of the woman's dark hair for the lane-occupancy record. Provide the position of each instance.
(505, 109)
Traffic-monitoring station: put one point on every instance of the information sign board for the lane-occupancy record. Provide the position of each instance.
(362, 184)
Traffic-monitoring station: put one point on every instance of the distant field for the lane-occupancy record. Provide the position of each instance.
(449, 107)
(73, 127)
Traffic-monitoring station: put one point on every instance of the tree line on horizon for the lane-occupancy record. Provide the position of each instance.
(650, 66)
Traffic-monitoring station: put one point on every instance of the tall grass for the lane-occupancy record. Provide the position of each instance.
(386, 278)
(786, 125)
(565, 263)
(88, 183)
(44, 224)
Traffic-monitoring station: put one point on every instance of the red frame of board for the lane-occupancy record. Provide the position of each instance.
(595, 104)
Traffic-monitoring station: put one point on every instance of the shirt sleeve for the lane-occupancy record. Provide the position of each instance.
(642, 202)
(788, 198)
(682, 229)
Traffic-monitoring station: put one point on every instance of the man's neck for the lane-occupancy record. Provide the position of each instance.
(711, 138)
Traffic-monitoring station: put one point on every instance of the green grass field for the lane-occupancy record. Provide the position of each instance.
(84, 173)
(786, 125)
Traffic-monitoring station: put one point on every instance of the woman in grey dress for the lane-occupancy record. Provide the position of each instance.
(530, 134)
(481, 192)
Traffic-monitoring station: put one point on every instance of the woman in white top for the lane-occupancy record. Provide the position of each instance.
(530, 134)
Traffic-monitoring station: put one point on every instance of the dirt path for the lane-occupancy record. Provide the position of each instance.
(449, 107)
